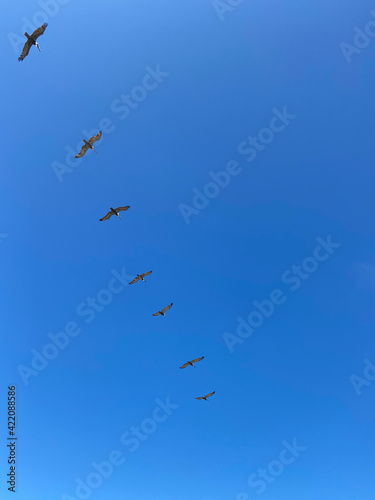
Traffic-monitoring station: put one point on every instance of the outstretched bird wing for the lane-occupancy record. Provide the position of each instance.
(25, 50)
(196, 360)
(201, 397)
(122, 209)
(146, 274)
(84, 148)
(39, 31)
(208, 395)
(95, 138)
(185, 365)
(108, 216)
(157, 314)
(166, 308)
(135, 280)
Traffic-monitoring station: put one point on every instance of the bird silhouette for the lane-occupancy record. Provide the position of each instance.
(89, 145)
(115, 211)
(162, 312)
(206, 396)
(191, 363)
(140, 277)
(31, 40)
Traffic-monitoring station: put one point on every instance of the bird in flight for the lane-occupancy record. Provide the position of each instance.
(115, 211)
(140, 277)
(31, 40)
(162, 312)
(206, 396)
(191, 363)
(89, 145)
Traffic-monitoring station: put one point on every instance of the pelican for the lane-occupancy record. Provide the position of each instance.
(162, 312)
(140, 277)
(31, 40)
(89, 145)
(191, 363)
(206, 396)
(114, 211)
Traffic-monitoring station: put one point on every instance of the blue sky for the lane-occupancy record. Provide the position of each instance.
(304, 379)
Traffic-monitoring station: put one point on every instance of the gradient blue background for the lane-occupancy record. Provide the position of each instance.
(290, 379)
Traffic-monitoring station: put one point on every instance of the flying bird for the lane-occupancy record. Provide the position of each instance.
(207, 396)
(140, 277)
(31, 40)
(115, 211)
(162, 312)
(89, 145)
(191, 363)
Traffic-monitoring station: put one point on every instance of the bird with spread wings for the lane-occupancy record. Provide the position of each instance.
(140, 277)
(162, 312)
(206, 396)
(115, 211)
(191, 363)
(31, 40)
(89, 145)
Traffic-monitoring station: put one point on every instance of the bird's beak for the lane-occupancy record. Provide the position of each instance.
(119, 216)
(38, 47)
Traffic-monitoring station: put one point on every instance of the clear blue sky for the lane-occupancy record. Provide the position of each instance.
(219, 78)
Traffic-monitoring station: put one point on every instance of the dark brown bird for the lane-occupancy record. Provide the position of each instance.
(206, 396)
(31, 40)
(191, 363)
(140, 277)
(114, 211)
(162, 312)
(89, 145)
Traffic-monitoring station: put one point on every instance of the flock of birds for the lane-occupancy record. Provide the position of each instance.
(163, 311)
(32, 40)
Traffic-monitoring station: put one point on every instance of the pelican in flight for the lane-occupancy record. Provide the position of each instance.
(206, 396)
(191, 363)
(115, 211)
(140, 277)
(89, 145)
(162, 312)
(31, 40)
